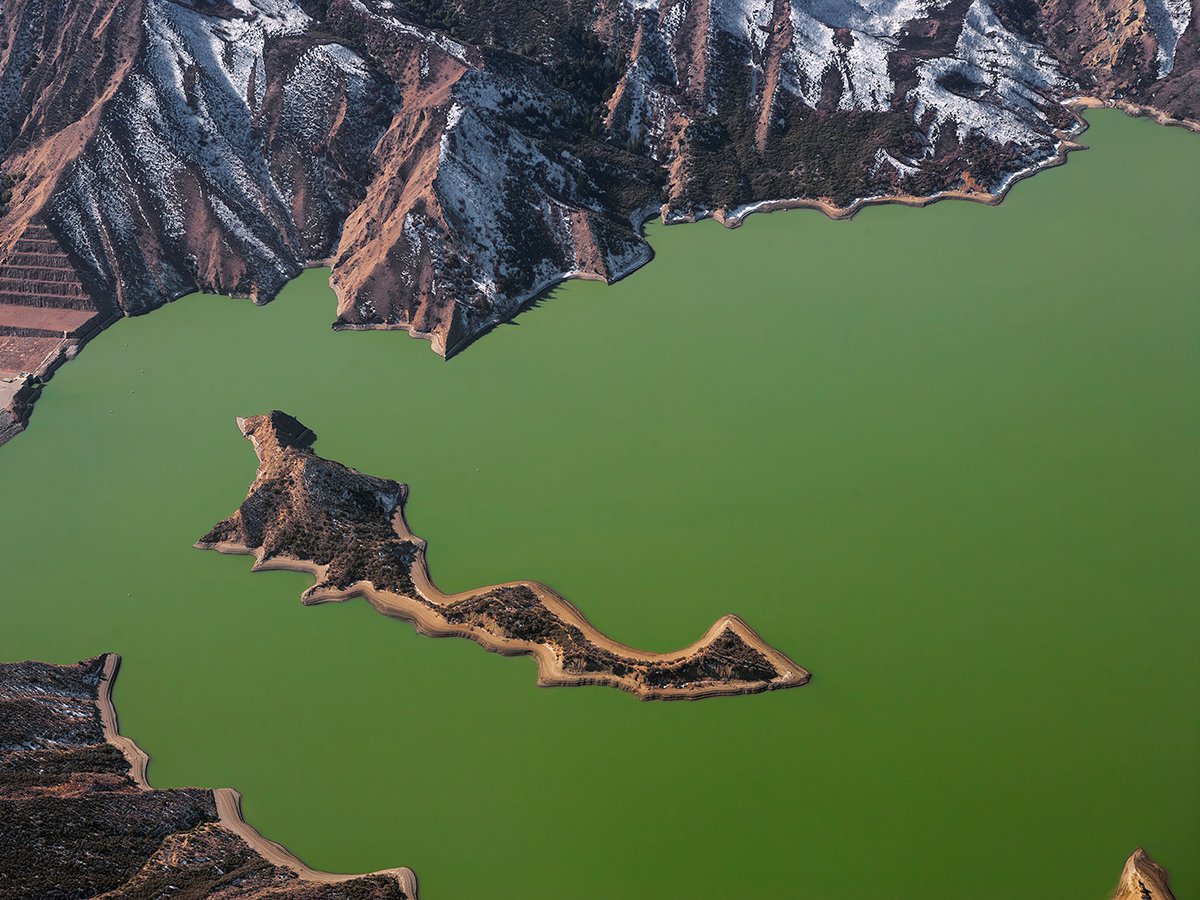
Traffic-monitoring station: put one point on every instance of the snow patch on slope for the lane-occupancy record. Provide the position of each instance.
(748, 20)
(186, 111)
(319, 74)
(1008, 81)
(1168, 19)
(518, 215)
(480, 159)
(863, 66)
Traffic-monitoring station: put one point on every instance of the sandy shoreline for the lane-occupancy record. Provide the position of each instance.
(426, 619)
(228, 800)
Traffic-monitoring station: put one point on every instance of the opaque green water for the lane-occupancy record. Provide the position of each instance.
(945, 458)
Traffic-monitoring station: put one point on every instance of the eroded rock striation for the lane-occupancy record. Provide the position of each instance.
(348, 530)
(78, 819)
(450, 160)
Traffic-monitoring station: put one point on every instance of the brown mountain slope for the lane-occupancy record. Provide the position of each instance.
(77, 818)
(451, 159)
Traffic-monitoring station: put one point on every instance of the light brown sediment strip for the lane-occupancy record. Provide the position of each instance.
(229, 808)
(228, 800)
(424, 616)
(1137, 110)
(734, 218)
(139, 759)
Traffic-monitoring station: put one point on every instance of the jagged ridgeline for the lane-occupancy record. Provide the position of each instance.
(450, 159)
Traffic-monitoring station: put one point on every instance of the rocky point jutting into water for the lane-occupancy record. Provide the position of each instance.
(451, 159)
(78, 819)
(1143, 879)
(348, 530)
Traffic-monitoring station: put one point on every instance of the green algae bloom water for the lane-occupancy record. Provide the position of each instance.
(944, 458)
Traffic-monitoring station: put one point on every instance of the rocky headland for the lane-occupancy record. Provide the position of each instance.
(348, 530)
(450, 160)
(78, 818)
(1143, 879)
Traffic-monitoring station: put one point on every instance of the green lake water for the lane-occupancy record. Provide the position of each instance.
(947, 459)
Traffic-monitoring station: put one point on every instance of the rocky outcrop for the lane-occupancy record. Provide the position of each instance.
(1143, 879)
(348, 530)
(450, 160)
(77, 818)
(16, 401)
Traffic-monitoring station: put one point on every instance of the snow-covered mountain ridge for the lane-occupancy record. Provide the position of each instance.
(450, 159)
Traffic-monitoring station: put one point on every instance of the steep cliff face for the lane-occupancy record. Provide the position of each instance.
(202, 169)
(450, 159)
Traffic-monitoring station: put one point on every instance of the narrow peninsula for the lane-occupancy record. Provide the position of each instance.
(79, 819)
(348, 530)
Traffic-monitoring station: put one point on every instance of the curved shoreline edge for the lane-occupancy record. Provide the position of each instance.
(14, 416)
(734, 218)
(228, 800)
(550, 671)
(1066, 145)
(429, 610)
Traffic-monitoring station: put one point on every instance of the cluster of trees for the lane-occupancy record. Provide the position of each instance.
(109, 835)
(727, 658)
(585, 68)
(808, 153)
(51, 767)
(6, 186)
(437, 14)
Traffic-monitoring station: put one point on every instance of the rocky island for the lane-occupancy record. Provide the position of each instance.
(78, 818)
(348, 530)
(450, 160)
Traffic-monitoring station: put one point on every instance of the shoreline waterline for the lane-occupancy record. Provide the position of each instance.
(942, 465)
